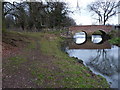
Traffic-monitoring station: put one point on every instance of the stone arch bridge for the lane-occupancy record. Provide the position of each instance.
(90, 29)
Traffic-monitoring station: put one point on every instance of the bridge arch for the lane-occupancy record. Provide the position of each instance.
(103, 32)
(85, 33)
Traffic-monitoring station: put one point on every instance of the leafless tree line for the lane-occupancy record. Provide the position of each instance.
(36, 15)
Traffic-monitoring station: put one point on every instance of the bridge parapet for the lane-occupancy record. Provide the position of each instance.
(89, 29)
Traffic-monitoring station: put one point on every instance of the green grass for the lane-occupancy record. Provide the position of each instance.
(67, 72)
(75, 75)
(113, 33)
(115, 41)
(32, 45)
(51, 47)
(17, 60)
(13, 64)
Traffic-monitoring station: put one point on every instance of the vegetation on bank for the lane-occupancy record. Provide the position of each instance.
(115, 41)
(58, 69)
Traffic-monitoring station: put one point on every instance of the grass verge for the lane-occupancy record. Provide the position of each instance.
(53, 67)
(69, 73)
(115, 41)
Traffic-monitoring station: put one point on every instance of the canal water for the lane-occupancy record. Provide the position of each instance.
(102, 58)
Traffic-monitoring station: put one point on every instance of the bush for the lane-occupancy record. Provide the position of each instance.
(113, 33)
(115, 41)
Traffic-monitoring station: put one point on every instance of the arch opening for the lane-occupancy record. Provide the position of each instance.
(80, 37)
(98, 36)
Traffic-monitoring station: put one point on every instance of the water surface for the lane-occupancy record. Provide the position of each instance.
(101, 58)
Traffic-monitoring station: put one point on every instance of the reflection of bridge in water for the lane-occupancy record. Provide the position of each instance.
(89, 45)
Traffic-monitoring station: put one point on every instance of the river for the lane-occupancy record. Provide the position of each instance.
(102, 58)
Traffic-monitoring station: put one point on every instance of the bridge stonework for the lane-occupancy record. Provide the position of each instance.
(90, 29)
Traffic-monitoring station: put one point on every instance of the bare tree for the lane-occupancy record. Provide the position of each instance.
(104, 9)
(37, 15)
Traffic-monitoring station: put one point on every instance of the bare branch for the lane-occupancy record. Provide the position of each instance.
(104, 9)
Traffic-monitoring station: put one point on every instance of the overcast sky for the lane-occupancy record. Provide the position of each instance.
(82, 16)
(85, 17)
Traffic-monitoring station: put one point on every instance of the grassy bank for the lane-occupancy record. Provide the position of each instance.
(53, 68)
(115, 41)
